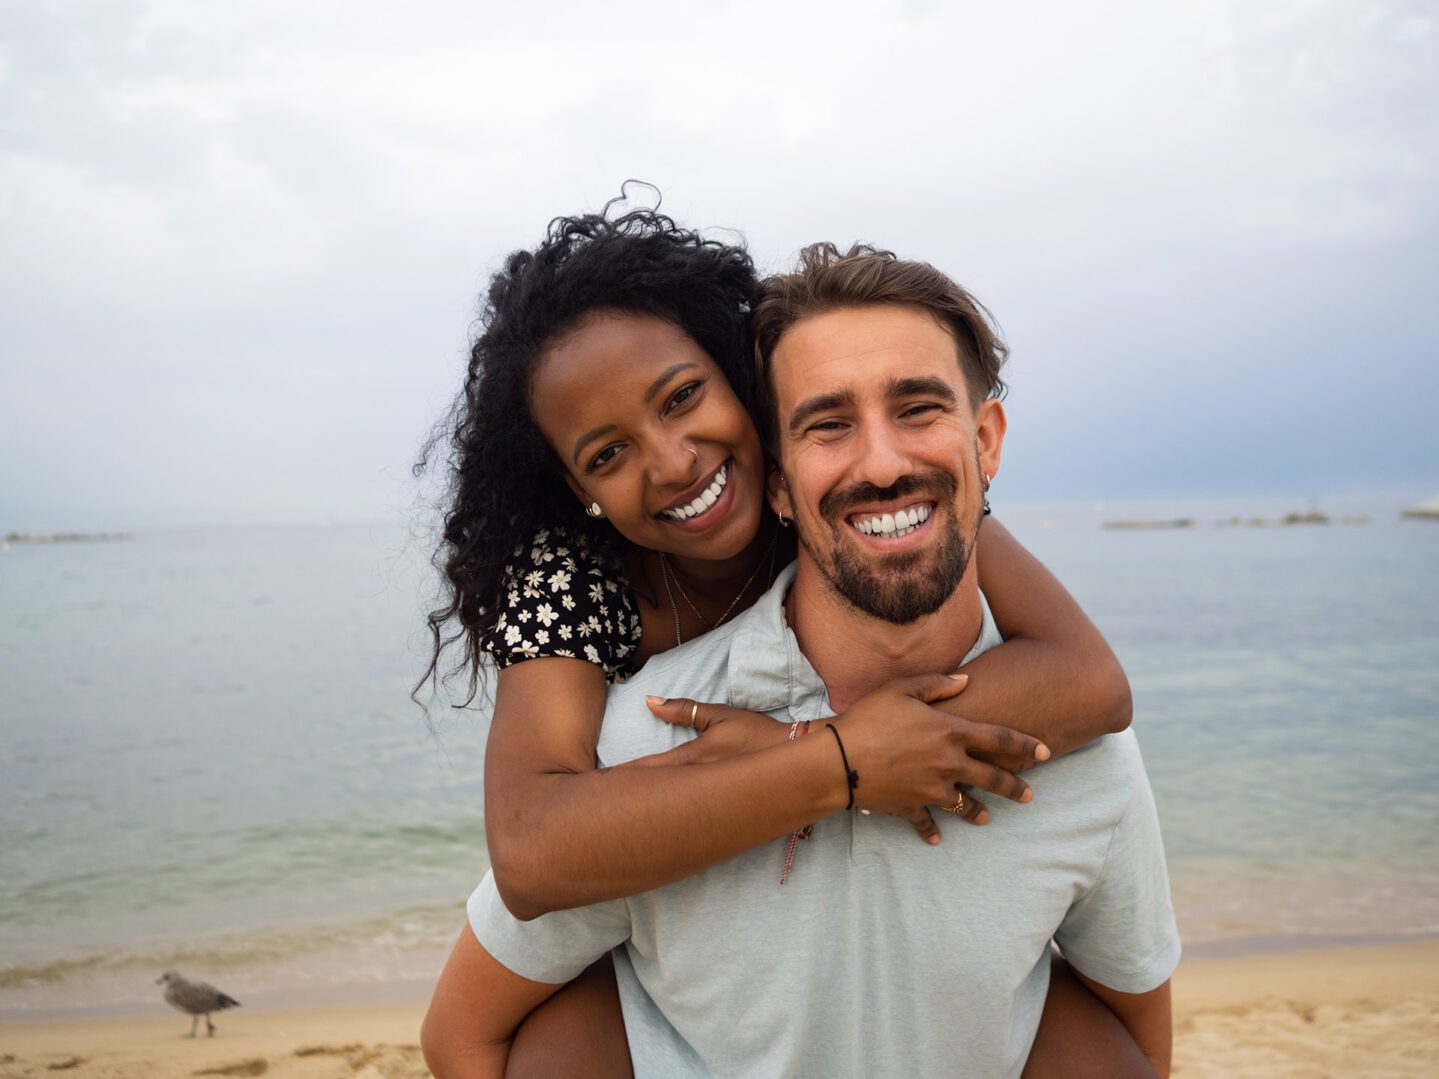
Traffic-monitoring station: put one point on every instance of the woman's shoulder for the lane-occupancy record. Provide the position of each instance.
(565, 595)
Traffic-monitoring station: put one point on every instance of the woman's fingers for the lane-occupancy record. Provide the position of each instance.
(931, 687)
(924, 825)
(683, 712)
(987, 777)
(1002, 741)
(973, 810)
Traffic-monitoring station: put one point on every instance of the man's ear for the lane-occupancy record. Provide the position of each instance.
(778, 492)
(990, 426)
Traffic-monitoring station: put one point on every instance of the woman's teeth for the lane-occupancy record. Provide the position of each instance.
(705, 500)
(890, 525)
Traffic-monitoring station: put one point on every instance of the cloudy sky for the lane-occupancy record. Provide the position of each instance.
(242, 242)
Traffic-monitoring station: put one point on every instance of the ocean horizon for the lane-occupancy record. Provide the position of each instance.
(211, 760)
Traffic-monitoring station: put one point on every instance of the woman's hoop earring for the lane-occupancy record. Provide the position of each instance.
(593, 510)
(783, 520)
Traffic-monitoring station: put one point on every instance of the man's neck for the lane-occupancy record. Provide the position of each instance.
(854, 653)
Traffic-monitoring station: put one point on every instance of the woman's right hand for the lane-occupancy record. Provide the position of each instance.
(910, 755)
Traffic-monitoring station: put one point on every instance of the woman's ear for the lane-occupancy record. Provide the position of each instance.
(990, 425)
(585, 500)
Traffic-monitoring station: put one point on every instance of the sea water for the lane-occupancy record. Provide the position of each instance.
(209, 758)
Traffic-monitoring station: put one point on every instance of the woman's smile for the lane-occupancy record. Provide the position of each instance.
(696, 512)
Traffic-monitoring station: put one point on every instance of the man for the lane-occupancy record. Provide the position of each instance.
(877, 956)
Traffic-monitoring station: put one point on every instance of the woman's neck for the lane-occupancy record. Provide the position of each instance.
(721, 579)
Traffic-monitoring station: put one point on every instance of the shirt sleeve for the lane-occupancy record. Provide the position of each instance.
(1122, 932)
(560, 597)
(553, 948)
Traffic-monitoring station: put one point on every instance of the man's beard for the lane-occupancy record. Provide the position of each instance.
(900, 588)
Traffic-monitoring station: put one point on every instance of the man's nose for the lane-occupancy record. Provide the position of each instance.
(880, 457)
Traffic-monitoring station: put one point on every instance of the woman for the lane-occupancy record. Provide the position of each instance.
(606, 424)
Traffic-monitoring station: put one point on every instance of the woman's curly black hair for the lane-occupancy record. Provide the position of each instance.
(505, 482)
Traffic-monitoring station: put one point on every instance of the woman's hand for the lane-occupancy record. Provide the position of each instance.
(723, 731)
(910, 755)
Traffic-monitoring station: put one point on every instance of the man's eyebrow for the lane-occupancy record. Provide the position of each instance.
(820, 402)
(921, 386)
(668, 373)
(588, 437)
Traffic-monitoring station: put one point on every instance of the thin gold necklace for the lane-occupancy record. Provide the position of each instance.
(666, 571)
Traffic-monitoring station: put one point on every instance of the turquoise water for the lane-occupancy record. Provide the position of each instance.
(209, 759)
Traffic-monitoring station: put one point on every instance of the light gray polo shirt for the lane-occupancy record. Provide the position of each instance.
(880, 955)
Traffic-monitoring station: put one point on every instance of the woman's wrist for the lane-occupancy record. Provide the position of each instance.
(822, 772)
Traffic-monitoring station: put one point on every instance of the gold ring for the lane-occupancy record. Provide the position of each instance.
(958, 806)
(694, 712)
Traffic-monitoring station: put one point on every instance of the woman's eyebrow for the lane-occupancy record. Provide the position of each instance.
(668, 373)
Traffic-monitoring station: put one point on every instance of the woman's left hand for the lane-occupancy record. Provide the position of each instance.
(724, 732)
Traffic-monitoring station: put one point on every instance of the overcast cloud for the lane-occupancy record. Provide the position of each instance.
(242, 243)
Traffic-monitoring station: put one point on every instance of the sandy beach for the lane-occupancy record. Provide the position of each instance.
(1342, 1012)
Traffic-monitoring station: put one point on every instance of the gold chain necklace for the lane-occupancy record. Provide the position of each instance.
(666, 571)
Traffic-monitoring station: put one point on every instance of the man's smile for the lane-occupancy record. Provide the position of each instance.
(891, 524)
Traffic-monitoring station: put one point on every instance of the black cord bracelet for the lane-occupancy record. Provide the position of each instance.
(851, 777)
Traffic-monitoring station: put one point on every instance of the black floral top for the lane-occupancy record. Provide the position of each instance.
(562, 597)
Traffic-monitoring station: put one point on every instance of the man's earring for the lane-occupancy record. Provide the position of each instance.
(593, 510)
(986, 495)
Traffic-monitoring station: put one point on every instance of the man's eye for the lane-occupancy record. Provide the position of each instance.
(827, 427)
(919, 410)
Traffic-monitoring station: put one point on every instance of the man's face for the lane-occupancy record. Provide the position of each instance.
(882, 455)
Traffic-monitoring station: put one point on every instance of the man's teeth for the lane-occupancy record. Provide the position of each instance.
(889, 525)
(705, 500)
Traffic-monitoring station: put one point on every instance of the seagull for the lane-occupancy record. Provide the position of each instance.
(194, 999)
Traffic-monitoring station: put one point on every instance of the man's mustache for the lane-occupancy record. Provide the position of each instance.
(939, 486)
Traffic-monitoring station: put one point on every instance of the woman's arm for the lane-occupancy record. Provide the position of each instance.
(562, 834)
(1055, 677)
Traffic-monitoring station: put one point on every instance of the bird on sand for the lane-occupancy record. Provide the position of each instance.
(194, 999)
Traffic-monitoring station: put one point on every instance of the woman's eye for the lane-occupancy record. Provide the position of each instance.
(683, 395)
(604, 457)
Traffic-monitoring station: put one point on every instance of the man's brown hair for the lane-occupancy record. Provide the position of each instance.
(826, 280)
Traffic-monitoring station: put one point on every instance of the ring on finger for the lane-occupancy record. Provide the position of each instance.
(958, 806)
(694, 712)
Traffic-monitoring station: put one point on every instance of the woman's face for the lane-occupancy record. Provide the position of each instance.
(647, 426)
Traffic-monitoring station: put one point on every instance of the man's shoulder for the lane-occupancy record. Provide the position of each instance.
(1103, 773)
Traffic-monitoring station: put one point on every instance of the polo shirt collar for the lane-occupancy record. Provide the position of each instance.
(767, 671)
